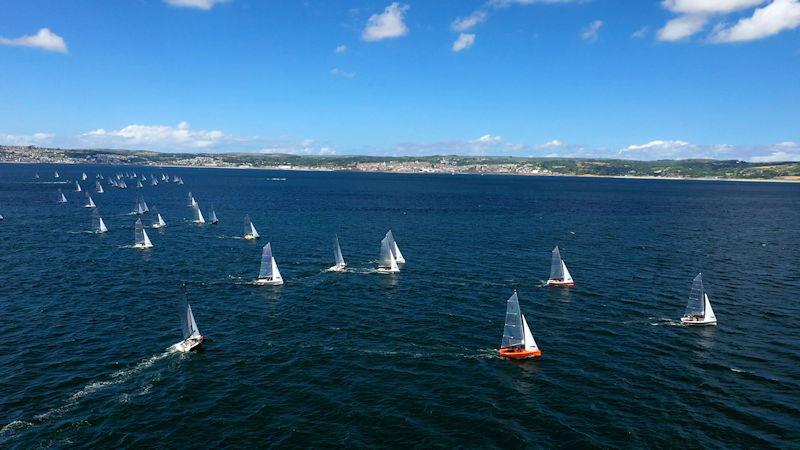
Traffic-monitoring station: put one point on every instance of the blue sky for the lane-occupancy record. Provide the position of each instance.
(639, 79)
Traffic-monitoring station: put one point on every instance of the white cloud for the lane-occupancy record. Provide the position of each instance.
(682, 27)
(640, 33)
(157, 137)
(553, 143)
(770, 20)
(44, 39)
(386, 25)
(26, 139)
(304, 147)
(503, 3)
(487, 139)
(337, 72)
(463, 42)
(675, 149)
(785, 151)
(464, 24)
(708, 7)
(591, 33)
(341, 49)
(205, 5)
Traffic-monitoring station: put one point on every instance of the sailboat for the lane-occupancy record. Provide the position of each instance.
(192, 202)
(153, 181)
(518, 342)
(97, 223)
(698, 310)
(180, 181)
(269, 275)
(212, 216)
(395, 249)
(36, 176)
(198, 215)
(89, 202)
(250, 229)
(83, 176)
(98, 187)
(141, 207)
(56, 175)
(1, 217)
(61, 198)
(559, 274)
(142, 240)
(191, 334)
(386, 262)
(139, 184)
(77, 187)
(159, 223)
(337, 256)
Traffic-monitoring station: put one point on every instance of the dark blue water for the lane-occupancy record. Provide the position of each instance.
(360, 359)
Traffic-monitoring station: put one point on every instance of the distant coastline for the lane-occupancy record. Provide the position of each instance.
(698, 169)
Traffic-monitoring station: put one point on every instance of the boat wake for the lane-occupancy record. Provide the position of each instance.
(665, 321)
(74, 400)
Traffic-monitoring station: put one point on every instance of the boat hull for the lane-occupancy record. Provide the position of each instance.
(142, 246)
(387, 270)
(267, 282)
(157, 226)
(519, 354)
(692, 321)
(190, 344)
(557, 283)
(249, 237)
(337, 268)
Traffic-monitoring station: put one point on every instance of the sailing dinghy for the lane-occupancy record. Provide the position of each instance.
(337, 256)
(56, 175)
(212, 216)
(89, 202)
(249, 229)
(269, 275)
(83, 176)
(518, 342)
(386, 261)
(98, 187)
(159, 223)
(142, 240)
(78, 187)
(559, 274)
(395, 249)
(192, 202)
(61, 198)
(98, 226)
(698, 310)
(198, 215)
(191, 334)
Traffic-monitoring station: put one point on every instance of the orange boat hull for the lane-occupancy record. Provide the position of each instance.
(519, 354)
(561, 283)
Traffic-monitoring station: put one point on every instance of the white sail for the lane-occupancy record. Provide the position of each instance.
(530, 343)
(249, 228)
(386, 261)
(56, 175)
(394, 248)
(276, 274)
(188, 324)
(212, 216)
(78, 187)
(89, 201)
(337, 252)
(142, 240)
(61, 198)
(36, 176)
(709, 316)
(567, 276)
(269, 273)
(160, 221)
(139, 184)
(98, 187)
(198, 215)
(83, 176)
(97, 223)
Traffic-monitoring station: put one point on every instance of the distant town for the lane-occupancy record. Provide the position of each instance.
(445, 164)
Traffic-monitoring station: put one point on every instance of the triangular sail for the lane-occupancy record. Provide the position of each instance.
(513, 333)
(530, 343)
(160, 220)
(83, 176)
(97, 223)
(188, 324)
(78, 187)
(212, 216)
(89, 201)
(266, 262)
(709, 313)
(198, 215)
(141, 235)
(567, 276)
(98, 187)
(276, 274)
(556, 268)
(249, 228)
(386, 259)
(61, 198)
(337, 251)
(394, 248)
(696, 305)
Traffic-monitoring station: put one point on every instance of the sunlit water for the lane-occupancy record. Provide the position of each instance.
(363, 359)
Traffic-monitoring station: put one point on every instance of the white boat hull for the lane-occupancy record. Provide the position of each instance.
(189, 344)
(249, 237)
(157, 226)
(142, 246)
(268, 282)
(337, 268)
(698, 321)
(387, 270)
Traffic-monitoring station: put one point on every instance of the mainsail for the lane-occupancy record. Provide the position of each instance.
(142, 240)
(556, 267)
(386, 260)
(78, 187)
(213, 215)
(514, 332)
(198, 215)
(249, 228)
(696, 305)
(188, 325)
(337, 251)
(394, 248)
(61, 199)
(83, 176)
(97, 223)
(89, 201)
(266, 262)
(98, 187)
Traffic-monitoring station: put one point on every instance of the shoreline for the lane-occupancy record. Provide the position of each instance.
(324, 169)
